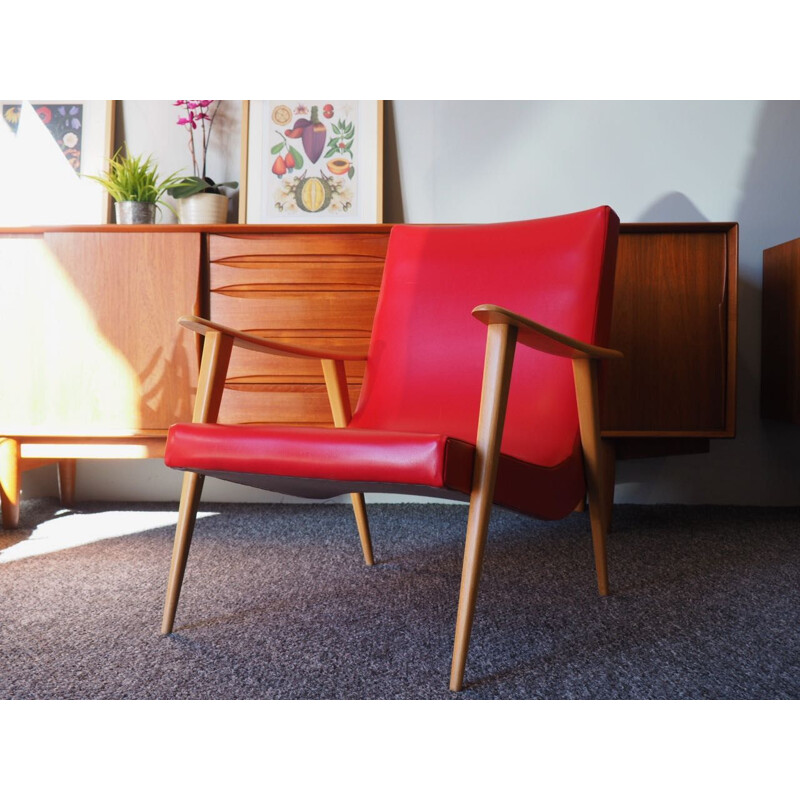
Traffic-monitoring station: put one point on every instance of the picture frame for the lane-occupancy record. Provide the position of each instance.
(48, 148)
(312, 162)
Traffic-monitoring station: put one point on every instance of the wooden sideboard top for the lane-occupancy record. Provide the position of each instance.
(236, 228)
(232, 228)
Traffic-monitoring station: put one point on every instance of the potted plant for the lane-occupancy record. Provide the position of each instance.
(200, 200)
(133, 183)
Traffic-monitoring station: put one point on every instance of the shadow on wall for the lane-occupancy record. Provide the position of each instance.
(672, 207)
(769, 211)
(392, 191)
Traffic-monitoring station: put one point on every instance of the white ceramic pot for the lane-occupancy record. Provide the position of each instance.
(203, 209)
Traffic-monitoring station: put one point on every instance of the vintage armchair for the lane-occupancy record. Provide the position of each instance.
(441, 413)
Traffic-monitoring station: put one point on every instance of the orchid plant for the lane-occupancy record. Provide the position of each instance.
(197, 117)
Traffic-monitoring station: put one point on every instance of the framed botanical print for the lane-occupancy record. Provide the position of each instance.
(312, 161)
(47, 147)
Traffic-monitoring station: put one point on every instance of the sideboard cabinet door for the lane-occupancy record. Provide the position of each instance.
(780, 333)
(91, 340)
(674, 318)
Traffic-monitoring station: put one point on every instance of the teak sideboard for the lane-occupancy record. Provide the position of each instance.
(93, 364)
(780, 333)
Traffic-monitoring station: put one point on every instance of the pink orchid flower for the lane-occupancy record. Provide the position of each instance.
(195, 110)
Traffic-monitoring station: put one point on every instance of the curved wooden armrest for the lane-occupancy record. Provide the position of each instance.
(537, 336)
(261, 345)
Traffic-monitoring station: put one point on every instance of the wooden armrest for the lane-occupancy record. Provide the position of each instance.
(261, 345)
(537, 336)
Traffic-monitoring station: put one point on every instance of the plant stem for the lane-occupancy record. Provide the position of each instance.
(191, 140)
(205, 143)
(207, 136)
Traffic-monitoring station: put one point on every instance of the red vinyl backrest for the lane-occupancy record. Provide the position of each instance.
(426, 355)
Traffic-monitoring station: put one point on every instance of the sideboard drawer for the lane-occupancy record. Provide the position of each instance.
(279, 404)
(245, 247)
(248, 364)
(273, 313)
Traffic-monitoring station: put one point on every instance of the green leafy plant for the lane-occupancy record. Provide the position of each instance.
(193, 185)
(134, 178)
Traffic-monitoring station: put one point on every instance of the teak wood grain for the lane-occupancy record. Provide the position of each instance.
(94, 315)
(674, 317)
(344, 243)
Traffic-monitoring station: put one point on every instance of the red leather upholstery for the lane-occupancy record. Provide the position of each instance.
(423, 379)
(324, 453)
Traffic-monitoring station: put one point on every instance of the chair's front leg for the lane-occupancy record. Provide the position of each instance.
(190, 499)
(210, 385)
(500, 345)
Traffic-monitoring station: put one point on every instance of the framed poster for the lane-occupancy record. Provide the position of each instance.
(312, 162)
(47, 147)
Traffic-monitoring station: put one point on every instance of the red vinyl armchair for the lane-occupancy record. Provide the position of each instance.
(442, 413)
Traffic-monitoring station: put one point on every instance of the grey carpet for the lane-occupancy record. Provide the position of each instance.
(277, 603)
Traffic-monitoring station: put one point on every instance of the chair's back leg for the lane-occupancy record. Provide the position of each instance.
(336, 384)
(190, 499)
(601, 504)
(598, 459)
(360, 510)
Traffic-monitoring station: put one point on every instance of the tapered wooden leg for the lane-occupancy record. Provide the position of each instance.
(336, 385)
(190, 499)
(67, 472)
(9, 482)
(500, 344)
(360, 510)
(480, 509)
(598, 458)
(210, 385)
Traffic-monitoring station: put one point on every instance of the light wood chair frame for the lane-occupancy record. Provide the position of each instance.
(505, 330)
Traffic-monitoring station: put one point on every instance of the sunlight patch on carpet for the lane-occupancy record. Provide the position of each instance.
(68, 529)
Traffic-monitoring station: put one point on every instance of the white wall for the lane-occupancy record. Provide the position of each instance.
(486, 161)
